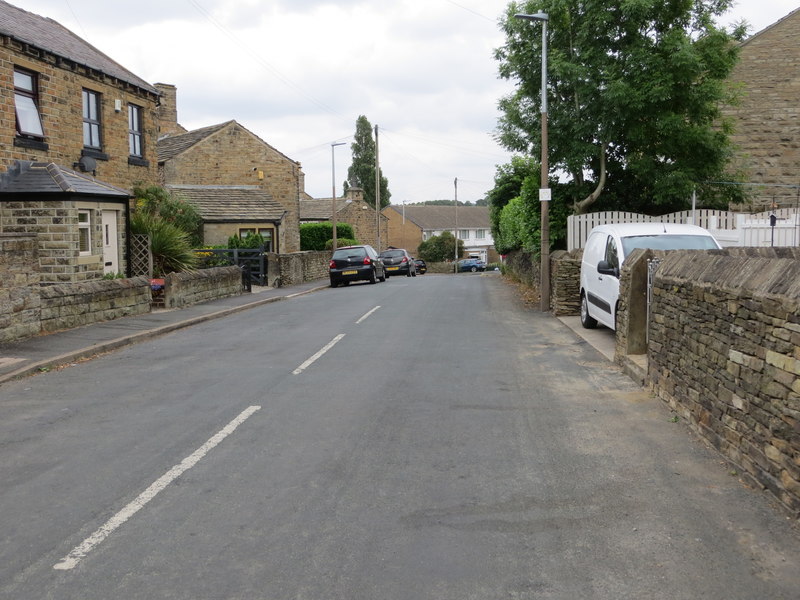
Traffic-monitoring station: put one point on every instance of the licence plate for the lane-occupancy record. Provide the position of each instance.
(393, 269)
(349, 272)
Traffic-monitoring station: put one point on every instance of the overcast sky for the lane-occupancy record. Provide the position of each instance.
(298, 73)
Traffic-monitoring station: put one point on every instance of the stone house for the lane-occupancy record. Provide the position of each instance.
(767, 120)
(409, 226)
(228, 156)
(353, 210)
(85, 131)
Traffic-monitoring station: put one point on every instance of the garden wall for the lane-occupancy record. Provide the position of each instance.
(19, 286)
(69, 305)
(185, 289)
(724, 352)
(299, 267)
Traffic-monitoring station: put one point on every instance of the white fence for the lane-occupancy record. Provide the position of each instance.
(730, 229)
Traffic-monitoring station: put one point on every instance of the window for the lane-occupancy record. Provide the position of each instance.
(243, 233)
(26, 101)
(463, 234)
(267, 235)
(135, 130)
(91, 119)
(480, 234)
(612, 256)
(84, 232)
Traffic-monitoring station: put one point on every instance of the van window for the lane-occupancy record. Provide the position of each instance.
(668, 242)
(612, 254)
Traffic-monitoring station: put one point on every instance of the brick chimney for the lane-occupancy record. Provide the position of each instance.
(168, 110)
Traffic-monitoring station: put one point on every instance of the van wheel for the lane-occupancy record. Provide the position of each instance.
(587, 321)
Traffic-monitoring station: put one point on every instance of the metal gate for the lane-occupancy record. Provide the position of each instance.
(252, 262)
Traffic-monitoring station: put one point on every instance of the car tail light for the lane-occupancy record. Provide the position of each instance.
(404, 260)
(367, 261)
(332, 264)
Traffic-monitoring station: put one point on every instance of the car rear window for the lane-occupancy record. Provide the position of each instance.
(392, 253)
(668, 242)
(344, 253)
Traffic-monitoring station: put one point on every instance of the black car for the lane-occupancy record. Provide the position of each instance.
(356, 263)
(422, 268)
(398, 262)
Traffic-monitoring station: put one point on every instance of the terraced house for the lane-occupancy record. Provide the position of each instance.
(77, 131)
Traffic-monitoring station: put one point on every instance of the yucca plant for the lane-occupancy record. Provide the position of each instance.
(171, 247)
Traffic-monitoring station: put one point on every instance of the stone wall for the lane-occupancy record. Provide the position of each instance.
(565, 282)
(19, 286)
(724, 352)
(185, 289)
(299, 267)
(75, 304)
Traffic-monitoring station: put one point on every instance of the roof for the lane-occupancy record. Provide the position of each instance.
(48, 35)
(230, 203)
(319, 209)
(444, 217)
(26, 177)
(172, 145)
(169, 147)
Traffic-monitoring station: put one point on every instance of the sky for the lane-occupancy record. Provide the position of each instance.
(298, 73)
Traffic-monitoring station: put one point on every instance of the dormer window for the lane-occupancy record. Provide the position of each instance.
(26, 101)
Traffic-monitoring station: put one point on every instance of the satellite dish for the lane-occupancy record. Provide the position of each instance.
(87, 163)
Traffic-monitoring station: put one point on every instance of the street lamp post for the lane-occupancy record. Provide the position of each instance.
(544, 188)
(333, 186)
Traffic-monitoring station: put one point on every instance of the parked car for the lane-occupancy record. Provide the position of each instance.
(356, 263)
(606, 249)
(471, 264)
(420, 265)
(398, 262)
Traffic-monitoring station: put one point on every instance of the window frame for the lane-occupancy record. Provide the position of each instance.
(480, 234)
(31, 94)
(85, 229)
(463, 234)
(94, 125)
(135, 133)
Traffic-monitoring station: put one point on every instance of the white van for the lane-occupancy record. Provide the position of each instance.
(605, 251)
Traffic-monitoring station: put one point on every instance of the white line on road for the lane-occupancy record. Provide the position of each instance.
(366, 316)
(311, 360)
(80, 551)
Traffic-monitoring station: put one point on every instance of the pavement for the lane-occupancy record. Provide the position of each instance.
(48, 351)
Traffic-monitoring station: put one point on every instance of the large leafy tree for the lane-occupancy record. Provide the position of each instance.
(634, 88)
(362, 170)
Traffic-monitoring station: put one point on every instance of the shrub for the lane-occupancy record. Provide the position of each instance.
(313, 236)
(171, 246)
(340, 242)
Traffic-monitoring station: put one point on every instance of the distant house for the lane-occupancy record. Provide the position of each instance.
(351, 209)
(228, 156)
(409, 226)
(767, 122)
(85, 131)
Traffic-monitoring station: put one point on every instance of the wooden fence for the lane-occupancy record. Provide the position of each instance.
(730, 229)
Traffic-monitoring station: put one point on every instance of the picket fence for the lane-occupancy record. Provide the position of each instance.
(729, 228)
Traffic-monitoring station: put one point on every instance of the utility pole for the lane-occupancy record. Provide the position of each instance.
(333, 195)
(455, 259)
(377, 194)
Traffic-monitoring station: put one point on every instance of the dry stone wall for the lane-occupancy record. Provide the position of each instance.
(185, 289)
(724, 352)
(19, 286)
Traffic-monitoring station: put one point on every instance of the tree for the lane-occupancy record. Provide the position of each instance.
(634, 89)
(508, 181)
(362, 170)
(440, 248)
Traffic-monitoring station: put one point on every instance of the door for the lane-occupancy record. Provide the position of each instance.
(110, 242)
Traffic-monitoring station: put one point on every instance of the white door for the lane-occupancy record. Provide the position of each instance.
(110, 243)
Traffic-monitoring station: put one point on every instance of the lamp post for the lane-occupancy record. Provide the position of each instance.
(544, 189)
(333, 186)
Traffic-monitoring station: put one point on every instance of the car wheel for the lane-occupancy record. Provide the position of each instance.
(414, 273)
(587, 321)
(473, 269)
(372, 278)
(383, 277)
(409, 273)
(334, 283)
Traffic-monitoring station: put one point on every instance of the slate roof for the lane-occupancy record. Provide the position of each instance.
(48, 35)
(319, 209)
(26, 177)
(230, 203)
(169, 147)
(444, 217)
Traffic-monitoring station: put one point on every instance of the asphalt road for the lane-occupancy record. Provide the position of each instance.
(448, 444)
